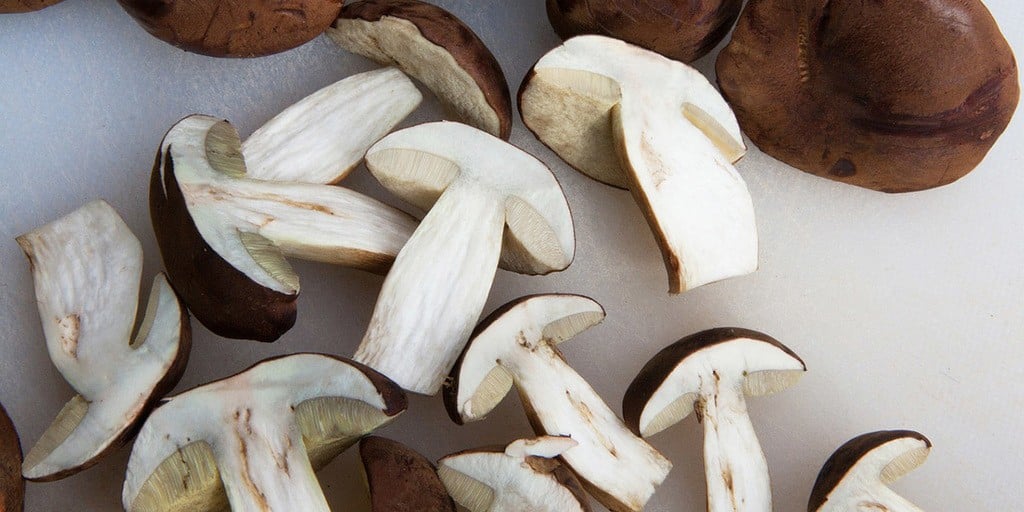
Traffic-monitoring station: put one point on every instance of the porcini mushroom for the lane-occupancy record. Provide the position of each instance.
(15, 6)
(87, 268)
(517, 345)
(892, 96)
(254, 440)
(400, 479)
(525, 476)
(857, 475)
(12, 486)
(632, 118)
(487, 199)
(436, 48)
(224, 236)
(710, 373)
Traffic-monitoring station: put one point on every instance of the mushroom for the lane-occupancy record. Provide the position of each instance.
(524, 476)
(632, 118)
(683, 30)
(12, 486)
(15, 6)
(254, 440)
(892, 96)
(224, 236)
(400, 479)
(87, 268)
(517, 345)
(856, 476)
(709, 373)
(436, 48)
(487, 199)
(234, 28)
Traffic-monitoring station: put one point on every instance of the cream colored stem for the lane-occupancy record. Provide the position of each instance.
(734, 465)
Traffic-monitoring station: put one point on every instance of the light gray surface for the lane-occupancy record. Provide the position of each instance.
(907, 309)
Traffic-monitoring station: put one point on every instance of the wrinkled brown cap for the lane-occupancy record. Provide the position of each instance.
(400, 479)
(12, 487)
(13, 6)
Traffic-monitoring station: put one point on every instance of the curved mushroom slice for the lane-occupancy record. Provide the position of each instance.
(224, 236)
(323, 137)
(437, 49)
(253, 441)
(400, 479)
(516, 345)
(12, 486)
(856, 476)
(710, 373)
(87, 268)
(477, 188)
(634, 119)
(526, 476)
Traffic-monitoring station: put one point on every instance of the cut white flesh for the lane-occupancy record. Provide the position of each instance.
(517, 346)
(479, 190)
(634, 119)
(254, 440)
(323, 137)
(522, 478)
(87, 268)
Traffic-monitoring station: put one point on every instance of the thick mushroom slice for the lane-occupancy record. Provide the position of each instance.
(87, 268)
(253, 441)
(400, 479)
(517, 345)
(634, 119)
(710, 373)
(12, 486)
(15, 6)
(224, 236)
(857, 475)
(436, 48)
(480, 190)
(525, 476)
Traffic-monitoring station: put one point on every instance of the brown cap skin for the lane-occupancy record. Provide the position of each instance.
(400, 479)
(684, 30)
(12, 487)
(234, 28)
(14, 6)
(847, 456)
(892, 95)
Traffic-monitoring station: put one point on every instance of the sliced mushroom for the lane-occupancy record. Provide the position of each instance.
(517, 345)
(892, 96)
(12, 486)
(224, 236)
(525, 476)
(632, 118)
(857, 475)
(436, 48)
(400, 479)
(87, 268)
(710, 373)
(14, 6)
(253, 441)
(479, 190)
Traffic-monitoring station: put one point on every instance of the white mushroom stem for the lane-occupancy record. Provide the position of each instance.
(884, 499)
(734, 464)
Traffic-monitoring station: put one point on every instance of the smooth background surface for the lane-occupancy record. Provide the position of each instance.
(907, 309)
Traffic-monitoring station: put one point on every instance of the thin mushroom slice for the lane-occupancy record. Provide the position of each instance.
(857, 475)
(87, 268)
(634, 119)
(516, 345)
(400, 479)
(12, 485)
(254, 440)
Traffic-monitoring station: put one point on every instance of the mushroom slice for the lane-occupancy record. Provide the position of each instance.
(710, 373)
(323, 137)
(87, 268)
(400, 479)
(525, 476)
(12, 486)
(479, 189)
(437, 49)
(634, 119)
(856, 476)
(224, 236)
(517, 345)
(15, 6)
(253, 441)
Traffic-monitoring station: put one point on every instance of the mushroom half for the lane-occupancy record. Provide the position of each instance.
(517, 345)
(12, 485)
(710, 373)
(400, 479)
(254, 440)
(87, 268)
(633, 119)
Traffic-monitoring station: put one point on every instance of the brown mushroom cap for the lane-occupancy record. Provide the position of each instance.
(234, 28)
(14, 6)
(895, 96)
(12, 486)
(684, 30)
(400, 479)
